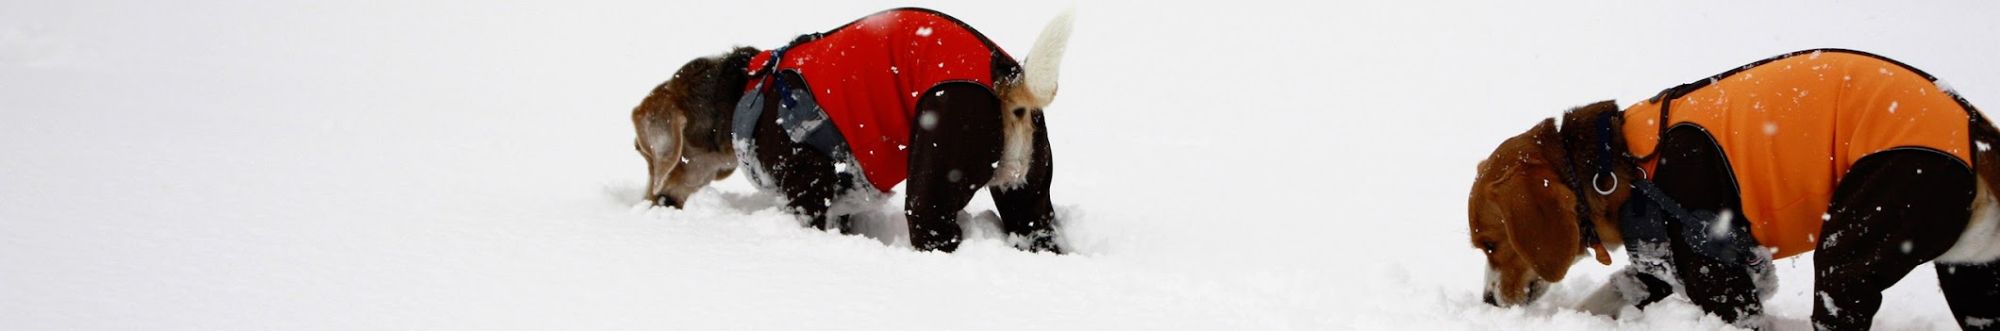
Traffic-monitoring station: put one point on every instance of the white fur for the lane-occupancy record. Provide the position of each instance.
(1012, 169)
(1045, 60)
(1010, 172)
(1981, 240)
(1493, 282)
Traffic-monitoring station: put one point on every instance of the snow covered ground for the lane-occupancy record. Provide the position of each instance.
(467, 164)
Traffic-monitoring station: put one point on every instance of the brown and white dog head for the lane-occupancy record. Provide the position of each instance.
(1521, 217)
(683, 126)
(1522, 213)
(1023, 97)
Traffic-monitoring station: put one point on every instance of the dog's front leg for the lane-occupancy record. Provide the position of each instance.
(808, 181)
(955, 144)
(1710, 251)
(805, 175)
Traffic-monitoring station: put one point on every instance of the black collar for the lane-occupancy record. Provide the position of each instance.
(1602, 165)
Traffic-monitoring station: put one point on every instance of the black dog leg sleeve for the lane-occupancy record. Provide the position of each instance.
(953, 146)
(1893, 210)
(1693, 170)
(1650, 277)
(1974, 293)
(1025, 209)
(803, 172)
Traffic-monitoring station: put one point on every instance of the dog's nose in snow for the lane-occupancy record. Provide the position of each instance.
(666, 201)
(1488, 298)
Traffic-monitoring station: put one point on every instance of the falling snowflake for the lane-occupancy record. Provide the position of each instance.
(1720, 228)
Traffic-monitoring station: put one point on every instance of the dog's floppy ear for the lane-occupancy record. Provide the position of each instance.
(1044, 62)
(660, 140)
(1537, 205)
(662, 135)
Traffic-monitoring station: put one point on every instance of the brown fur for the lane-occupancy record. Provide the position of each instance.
(1523, 209)
(683, 126)
(1521, 214)
(1986, 161)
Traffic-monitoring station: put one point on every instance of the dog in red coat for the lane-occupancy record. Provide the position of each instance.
(904, 95)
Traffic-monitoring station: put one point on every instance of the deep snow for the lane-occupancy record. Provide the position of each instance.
(467, 164)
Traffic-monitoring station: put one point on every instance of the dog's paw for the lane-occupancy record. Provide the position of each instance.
(1037, 243)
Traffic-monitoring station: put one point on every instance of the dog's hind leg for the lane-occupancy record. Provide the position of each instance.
(1025, 210)
(954, 146)
(1893, 211)
(1974, 293)
(1969, 273)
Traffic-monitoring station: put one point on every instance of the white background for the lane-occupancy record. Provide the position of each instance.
(468, 164)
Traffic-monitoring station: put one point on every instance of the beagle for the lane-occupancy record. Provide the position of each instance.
(1873, 164)
(845, 115)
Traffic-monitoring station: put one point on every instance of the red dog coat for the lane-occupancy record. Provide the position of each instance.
(869, 74)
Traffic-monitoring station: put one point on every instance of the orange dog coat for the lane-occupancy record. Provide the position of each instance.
(1791, 126)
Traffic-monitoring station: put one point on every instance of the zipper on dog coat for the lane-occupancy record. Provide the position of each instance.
(1791, 126)
(866, 78)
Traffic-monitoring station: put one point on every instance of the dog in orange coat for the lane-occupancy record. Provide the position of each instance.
(845, 115)
(1871, 163)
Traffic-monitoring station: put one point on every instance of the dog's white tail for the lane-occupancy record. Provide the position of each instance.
(1045, 60)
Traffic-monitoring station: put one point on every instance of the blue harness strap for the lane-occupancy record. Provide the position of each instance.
(804, 121)
(744, 123)
(798, 115)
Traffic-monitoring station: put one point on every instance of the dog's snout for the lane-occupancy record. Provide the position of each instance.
(666, 201)
(1488, 298)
